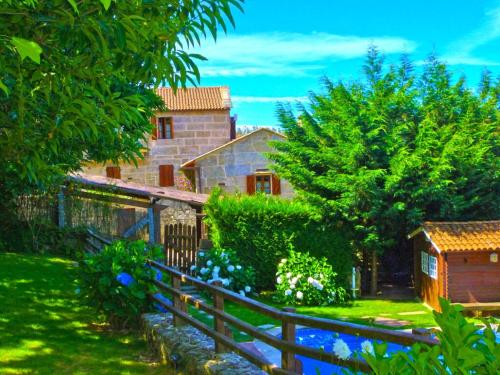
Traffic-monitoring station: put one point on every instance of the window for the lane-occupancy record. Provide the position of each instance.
(165, 128)
(433, 267)
(425, 262)
(113, 172)
(266, 183)
(167, 175)
(263, 183)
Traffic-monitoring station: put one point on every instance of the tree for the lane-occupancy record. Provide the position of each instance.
(77, 78)
(385, 153)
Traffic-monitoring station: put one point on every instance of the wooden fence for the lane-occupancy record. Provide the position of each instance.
(287, 316)
(180, 246)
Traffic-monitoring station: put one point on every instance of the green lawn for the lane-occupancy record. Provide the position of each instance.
(43, 329)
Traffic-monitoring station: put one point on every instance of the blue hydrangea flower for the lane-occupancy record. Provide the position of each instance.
(158, 275)
(125, 278)
(164, 300)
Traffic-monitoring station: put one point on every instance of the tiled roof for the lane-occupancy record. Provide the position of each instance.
(463, 236)
(196, 98)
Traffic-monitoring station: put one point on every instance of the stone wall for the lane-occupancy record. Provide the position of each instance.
(188, 351)
(195, 133)
(230, 165)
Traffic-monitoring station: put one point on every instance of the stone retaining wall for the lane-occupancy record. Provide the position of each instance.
(188, 351)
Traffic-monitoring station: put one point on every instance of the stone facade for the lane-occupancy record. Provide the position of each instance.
(195, 133)
(188, 351)
(230, 165)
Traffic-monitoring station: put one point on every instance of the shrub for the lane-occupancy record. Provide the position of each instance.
(305, 280)
(462, 349)
(224, 265)
(263, 229)
(116, 281)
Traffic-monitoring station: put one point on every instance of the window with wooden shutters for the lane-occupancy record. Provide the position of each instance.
(165, 128)
(263, 183)
(276, 185)
(113, 172)
(167, 175)
(251, 184)
(154, 132)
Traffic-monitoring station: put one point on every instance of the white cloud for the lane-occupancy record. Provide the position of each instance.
(281, 53)
(268, 99)
(461, 51)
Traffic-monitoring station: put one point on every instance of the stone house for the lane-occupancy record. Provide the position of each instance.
(194, 145)
(239, 166)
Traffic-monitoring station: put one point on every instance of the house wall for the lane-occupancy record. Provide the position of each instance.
(473, 278)
(195, 133)
(232, 164)
(428, 288)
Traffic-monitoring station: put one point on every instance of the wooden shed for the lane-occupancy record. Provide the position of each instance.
(457, 261)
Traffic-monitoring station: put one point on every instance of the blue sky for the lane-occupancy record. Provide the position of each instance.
(280, 49)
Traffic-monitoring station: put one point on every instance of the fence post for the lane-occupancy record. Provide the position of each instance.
(178, 302)
(219, 323)
(60, 209)
(288, 334)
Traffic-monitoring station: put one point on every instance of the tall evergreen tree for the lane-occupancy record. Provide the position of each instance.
(386, 152)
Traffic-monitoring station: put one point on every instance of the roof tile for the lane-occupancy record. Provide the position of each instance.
(464, 236)
(196, 98)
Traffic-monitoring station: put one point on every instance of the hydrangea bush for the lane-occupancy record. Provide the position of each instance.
(117, 280)
(224, 265)
(306, 280)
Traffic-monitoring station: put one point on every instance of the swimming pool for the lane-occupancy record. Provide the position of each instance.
(318, 338)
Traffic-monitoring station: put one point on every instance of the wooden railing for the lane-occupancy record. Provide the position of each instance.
(95, 242)
(287, 316)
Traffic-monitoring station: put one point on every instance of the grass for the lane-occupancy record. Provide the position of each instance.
(44, 330)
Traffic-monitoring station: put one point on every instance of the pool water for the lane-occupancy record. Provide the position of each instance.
(318, 338)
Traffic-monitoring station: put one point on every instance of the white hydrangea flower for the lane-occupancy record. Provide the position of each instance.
(216, 269)
(283, 261)
(310, 280)
(238, 267)
(242, 293)
(193, 267)
(341, 349)
(230, 268)
(288, 292)
(201, 254)
(279, 280)
(288, 275)
(292, 286)
(367, 347)
(225, 282)
(299, 295)
(204, 270)
(294, 280)
(247, 289)
(209, 263)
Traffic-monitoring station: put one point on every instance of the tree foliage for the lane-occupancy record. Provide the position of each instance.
(77, 77)
(395, 148)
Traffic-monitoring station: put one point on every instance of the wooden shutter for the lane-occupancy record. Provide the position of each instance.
(251, 184)
(167, 175)
(113, 172)
(276, 185)
(154, 132)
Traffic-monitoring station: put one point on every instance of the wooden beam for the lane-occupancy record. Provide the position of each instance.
(112, 199)
(137, 226)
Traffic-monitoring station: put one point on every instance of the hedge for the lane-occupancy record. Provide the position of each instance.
(263, 229)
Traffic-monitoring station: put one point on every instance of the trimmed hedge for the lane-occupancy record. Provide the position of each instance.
(263, 229)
